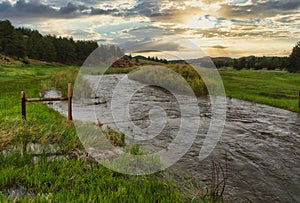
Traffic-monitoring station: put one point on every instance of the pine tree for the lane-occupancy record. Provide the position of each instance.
(294, 61)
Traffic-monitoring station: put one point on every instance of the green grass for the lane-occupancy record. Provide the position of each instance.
(106, 70)
(65, 178)
(73, 180)
(70, 178)
(176, 78)
(44, 125)
(274, 88)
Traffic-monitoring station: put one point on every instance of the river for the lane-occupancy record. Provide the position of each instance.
(260, 143)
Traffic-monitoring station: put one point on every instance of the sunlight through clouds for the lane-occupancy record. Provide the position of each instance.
(273, 24)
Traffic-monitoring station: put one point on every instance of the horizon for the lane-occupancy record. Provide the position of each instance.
(177, 29)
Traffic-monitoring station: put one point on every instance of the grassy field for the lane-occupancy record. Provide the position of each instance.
(70, 178)
(58, 180)
(274, 88)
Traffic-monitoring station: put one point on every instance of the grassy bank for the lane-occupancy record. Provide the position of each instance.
(275, 88)
(59, 180)
(63, 175)
(176, 78)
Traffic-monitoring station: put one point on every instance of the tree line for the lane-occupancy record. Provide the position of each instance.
(291, 63)
(25, 43)
(259, 63)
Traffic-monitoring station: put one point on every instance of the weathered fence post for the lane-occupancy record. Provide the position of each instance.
(70, 102)
(23, 97)
(69, 98)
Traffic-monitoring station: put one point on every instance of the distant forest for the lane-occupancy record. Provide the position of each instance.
(253, 62)
(291, 63)
(25, 43)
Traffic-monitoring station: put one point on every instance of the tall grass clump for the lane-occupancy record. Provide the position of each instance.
(60, 80)
(176, 78)
(116, 138)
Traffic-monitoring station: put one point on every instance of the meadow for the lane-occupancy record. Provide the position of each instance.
(61, 176)
(68, 178)
(275, 88)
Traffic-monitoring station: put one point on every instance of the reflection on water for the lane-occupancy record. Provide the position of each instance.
(261, 143)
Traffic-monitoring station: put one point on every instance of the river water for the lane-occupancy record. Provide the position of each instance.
(260, 143)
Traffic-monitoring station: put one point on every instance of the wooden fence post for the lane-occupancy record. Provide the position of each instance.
(23, 95)
(70, 94)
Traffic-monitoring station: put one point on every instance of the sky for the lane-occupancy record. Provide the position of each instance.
(170, 29)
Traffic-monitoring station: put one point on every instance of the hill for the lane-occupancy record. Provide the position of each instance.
(23, 43)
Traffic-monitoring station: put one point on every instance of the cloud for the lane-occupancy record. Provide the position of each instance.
(70, 8)
(218, 47)
(5, 6)
(154, 24)
(145, 38)
(146, 51)
(36, 9)
(146, 8)
(260, 9)
(23, 9)
(145, 46)
(97, 11)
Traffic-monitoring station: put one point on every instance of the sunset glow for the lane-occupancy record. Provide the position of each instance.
(220, 28)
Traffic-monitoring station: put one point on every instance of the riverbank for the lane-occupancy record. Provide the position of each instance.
(274, 88)
(71, 178)
(62, 177)
(256, 139)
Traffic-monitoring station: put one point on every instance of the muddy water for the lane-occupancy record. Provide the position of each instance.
(261, 143)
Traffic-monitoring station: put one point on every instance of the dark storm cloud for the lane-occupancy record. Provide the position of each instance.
(261, 9)
(32, 7)
(283, 5)
(97, 11)
(4, 6)
(23, 9)
(36, 9)
(70, 8)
